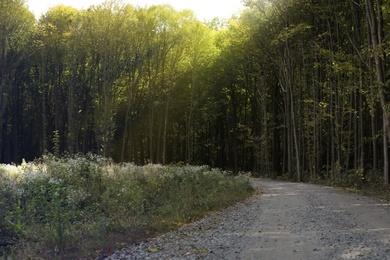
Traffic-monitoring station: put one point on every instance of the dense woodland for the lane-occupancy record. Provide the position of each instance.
(290, 87)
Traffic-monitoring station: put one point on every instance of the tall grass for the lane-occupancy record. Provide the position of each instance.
(62, 207)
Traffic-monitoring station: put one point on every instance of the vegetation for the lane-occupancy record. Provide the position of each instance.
(290, 88)
(75, 205)
(296, 88)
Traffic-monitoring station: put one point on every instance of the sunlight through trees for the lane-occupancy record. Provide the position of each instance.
(296, 88)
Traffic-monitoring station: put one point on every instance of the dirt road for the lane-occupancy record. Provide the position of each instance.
(287, 221)
(301, 221)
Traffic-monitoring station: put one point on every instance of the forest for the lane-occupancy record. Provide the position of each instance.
(295, 88)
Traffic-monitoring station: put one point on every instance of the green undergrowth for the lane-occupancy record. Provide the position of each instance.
(366, 183)
(84, 206)
(372, 186)
(363, 182)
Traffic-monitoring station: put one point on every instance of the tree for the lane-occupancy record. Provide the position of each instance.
(375, 24)
(16, 26)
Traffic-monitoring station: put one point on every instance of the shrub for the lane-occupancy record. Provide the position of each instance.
(76, 202)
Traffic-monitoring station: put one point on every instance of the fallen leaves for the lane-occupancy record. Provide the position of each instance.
(154, 249)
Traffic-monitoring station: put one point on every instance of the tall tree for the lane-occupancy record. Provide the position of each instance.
(16, 26)
(375, 23)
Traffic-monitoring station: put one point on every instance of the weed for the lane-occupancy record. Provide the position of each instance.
(66, 207)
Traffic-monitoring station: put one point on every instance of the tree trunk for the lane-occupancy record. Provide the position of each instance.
(165, 133)
(385, 160)
(376, 30)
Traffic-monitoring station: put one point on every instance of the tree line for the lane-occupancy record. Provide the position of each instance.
(289, 87)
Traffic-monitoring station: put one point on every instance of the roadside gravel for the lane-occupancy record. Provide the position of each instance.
(289, 220)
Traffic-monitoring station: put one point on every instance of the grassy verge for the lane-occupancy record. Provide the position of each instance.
(364, 183)
(372, 186)
(86, 206)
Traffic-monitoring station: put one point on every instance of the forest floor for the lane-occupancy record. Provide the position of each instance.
(285, 221)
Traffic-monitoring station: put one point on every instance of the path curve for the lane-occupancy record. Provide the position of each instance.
(288, 221)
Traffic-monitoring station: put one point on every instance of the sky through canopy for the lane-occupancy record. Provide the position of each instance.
(203, 9)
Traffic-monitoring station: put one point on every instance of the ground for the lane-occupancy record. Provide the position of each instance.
(286, 220)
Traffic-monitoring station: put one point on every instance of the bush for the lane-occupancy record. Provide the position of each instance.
(72, 204)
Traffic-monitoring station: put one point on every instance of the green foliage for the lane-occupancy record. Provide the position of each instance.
(56, 142)
(287, 90)
(59, 203)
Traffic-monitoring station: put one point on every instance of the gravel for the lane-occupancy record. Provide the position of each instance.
(289, 220)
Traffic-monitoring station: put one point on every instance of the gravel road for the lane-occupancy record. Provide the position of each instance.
(288, 221)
